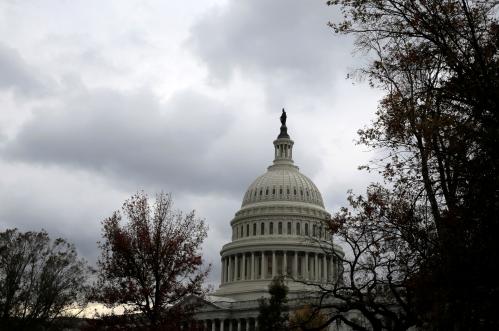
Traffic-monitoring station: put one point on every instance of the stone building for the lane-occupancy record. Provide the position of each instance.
(277, 231)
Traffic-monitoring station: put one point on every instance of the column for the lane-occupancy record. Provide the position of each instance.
(274, 265)
(236, 265)
(324, 268)
(316, 266)
(222, 325)
(295, 265)
(223, 270)
(213, 325)
(264, 266)
(231, 324)
(305, 273)
(238, 324)
(284, 263)
(256, 324)
(252, 265)
(229, 269)
(243, 269)
(205, 325)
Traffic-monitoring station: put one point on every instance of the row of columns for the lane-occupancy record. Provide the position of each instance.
(240, 324)
(269, 264)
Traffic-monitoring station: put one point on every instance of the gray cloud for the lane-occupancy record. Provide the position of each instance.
(138, 140)
(18, 75)
(282, 42)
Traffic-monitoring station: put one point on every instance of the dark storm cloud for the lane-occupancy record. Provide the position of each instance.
(137, 140)
(17, 75)
(284, 41)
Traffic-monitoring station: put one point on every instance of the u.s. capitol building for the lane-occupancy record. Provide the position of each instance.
(276, 232)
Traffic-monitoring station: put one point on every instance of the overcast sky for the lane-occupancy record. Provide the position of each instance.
(101, 99)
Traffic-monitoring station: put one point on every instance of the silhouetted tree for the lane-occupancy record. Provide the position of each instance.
(438, 126)
(273, 312)
(40, 279)
(153, 261)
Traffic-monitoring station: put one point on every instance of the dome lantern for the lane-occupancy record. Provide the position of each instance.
(283, 145)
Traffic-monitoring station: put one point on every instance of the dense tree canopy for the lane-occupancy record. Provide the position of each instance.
(40, 279)
(273, 312)
(152, 261)
(437, 128)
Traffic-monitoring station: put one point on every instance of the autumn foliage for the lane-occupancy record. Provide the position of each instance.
(437, 134)
(151, 260)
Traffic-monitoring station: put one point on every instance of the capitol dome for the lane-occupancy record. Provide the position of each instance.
(278, 232)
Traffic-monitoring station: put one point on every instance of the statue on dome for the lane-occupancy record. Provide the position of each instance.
(283, 117)
(284, 129)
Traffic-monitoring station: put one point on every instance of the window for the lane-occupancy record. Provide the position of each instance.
(289, 227)
(261, 192)
(279, 228)
(280, 190)
(269, 265)
(267, 191)
(294, 191)
(306, 229)
(247, 230)
(314, 230)
(262, 229)
(298, 232)
(271, 229)
(254, 229)
(273, 191)
(300, 265)
(287, 190)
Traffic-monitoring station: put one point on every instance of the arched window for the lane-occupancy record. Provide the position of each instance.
(306, 229)
(242, 231)
(254, 229)
(273, 191)
(262, 229)
(314, 230)
(298, 229)
(289, 227)
(280, 190)
(247, 230)
(267, 191)
(271, 228)
(279, 228)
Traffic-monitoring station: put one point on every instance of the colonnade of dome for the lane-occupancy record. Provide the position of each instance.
(267, 264)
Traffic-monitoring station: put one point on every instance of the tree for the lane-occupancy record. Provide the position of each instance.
(307, 318)
(438, 126)
(273, 314)
(153, 261)
(40, 279)
(386, 239)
